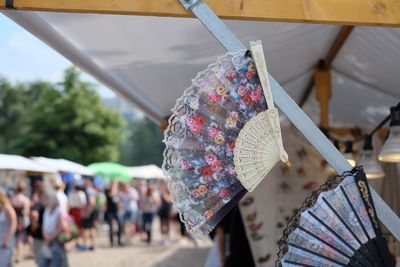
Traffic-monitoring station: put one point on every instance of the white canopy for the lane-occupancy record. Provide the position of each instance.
(151, 60)
(147, 172)
(63, 165)
(19, 163)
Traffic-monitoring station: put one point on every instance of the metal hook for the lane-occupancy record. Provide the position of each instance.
(188, 4)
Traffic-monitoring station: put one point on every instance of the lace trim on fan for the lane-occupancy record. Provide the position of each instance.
(331, 183)
(173, 122)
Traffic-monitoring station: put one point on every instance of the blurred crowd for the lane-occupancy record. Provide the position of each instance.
(55, 216)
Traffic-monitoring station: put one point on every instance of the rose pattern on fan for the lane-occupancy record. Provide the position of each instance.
(209, 213)
(203, 128)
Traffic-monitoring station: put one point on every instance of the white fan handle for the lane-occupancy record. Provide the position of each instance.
(273, 117)
(259, 59)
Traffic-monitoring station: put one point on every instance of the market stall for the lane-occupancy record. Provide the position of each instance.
(19, 163)
(343, 63)
(63, 165)
(150, 171)
(14, 168)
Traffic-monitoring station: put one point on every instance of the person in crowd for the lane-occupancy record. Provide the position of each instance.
(101, 201)
(89, 217)
(8, 225)
(179, 225)
(129, 201)
(111, 213)
(34, 230)
(77, 202)
(165, 212)
(21, 205)
(238, 246)
(53, 253)
(141, 189)
(62, 197)
(150, 204)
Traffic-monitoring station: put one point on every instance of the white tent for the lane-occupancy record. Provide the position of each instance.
(151, 60)
(147, 172)
(19, 163)
(63, 165)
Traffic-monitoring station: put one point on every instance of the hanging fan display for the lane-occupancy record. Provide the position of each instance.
(221, 140)
(340, 229)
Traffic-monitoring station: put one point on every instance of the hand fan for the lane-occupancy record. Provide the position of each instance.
(340, 229)
(224, 106)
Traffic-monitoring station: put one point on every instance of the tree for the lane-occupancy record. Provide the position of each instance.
(13, 102)
(144, 145)
(70, 121)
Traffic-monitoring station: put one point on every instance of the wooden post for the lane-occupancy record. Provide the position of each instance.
(323, 87)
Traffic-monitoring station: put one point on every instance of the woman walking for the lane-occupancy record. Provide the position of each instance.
(150, 205)
(53, 254)
(77, 202)
(165, 212)
(129, 199)
(21, 205)
(8, 225)
(34, 230)
(111, 213)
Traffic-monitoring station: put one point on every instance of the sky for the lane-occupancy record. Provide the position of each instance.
(23, 57)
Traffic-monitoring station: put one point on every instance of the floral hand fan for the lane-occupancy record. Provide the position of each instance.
(224, 106)
(340, 229)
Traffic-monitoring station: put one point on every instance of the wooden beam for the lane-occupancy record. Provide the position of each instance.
(322, 79)
(330, 56)
(342, 12)
(337, 45)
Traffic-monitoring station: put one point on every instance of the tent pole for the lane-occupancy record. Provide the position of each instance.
(294, 113)
(322, 77)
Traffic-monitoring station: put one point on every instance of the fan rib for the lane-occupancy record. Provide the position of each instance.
(342, 220)
(256, 128)
(317, 254)
(246, 148)
(355, 212)
(323, 241)
(366, 255)
(251, 133)
(298, 263)
(348, 228)
(331, 230)
(264, 128)
(359, 222)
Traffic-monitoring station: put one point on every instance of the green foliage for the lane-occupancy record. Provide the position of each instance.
(144, 145)
(67, 120)
(13, 103)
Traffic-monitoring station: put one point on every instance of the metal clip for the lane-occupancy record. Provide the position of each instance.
(10, 4)
(189, 4)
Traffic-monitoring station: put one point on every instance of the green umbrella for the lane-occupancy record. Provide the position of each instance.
(111, 171)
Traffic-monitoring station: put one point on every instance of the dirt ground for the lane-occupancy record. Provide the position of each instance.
(180, 253)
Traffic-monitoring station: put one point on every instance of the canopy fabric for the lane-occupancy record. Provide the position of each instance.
(111, 171)
(63, 165)
(147, 172)
(151, 60)
(19, 163)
